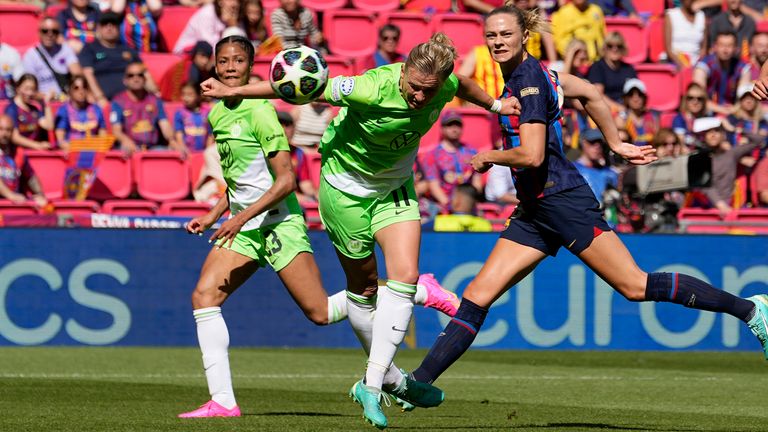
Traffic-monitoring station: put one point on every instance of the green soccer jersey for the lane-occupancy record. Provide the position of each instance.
(370, 147)
(245, 135)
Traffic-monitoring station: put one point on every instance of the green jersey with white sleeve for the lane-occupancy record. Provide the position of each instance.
(246, 134)
(370, 147)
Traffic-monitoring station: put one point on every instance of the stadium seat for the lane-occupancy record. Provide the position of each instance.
(161, 176)
(261, 65)
(351, 33)
(271, 4)
(663, 85)
(19, 23)
(75, 207)
(23, 209)
(196, 161)
(666, 119)
(164, 66)
(376, 5)
(312, 215)
(708, 229)
(324, 5)
(634, 33)
(415, 28)
(171, 23)
(50, 167)
(477, 132)
(339, 65)
(655, 39)
(428, 6)
(655, 8)
(752, 215)
(700, 215)
(686, 77)
(114, 177)
(184, 209)
(464, 29)
(53, 10)
(129, 207)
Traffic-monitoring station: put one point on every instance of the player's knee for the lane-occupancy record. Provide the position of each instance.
(317, 316)
(633, 289)
(407, 275)
(203, 298)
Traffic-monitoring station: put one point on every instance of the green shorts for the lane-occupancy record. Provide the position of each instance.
(352, 222)
(276, 244)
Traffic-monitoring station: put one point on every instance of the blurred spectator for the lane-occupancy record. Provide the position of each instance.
(761, 182)
(386, 53)
(480, 67)
(579, 19)
(209, 22)
(201, 67)
(311, 120)
(684, 35)
(78, 22)
(295, 25)
(255, 22)
(30, 123)
(617, 8)
(747, 119)
(463, 217)
(725, 159)
(11, 176)
(667, 144)
(137, 115)
(611, 72)
(138, 29)
(190, 123)
(210, 186)
(593, 165)
(641, 124)
(78, 118)
(10, 69)
(754, 9)
(500, 187)
(732, 20)
(447, 166)
(721, 73)
(479, 6)
(52, 63)
(105, 60)
(694, 106)
(576, 62)
(305, 188)
(758, 53)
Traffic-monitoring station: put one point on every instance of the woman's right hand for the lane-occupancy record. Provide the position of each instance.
(200, 224)
(215, 89)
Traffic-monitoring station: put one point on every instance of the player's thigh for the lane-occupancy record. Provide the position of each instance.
(302, 280)
(347, 221)
(508, 263)
(362, 274)
(396, 224)
(609, 258)
(224, 271)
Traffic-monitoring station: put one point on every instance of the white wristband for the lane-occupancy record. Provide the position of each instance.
(495, 106)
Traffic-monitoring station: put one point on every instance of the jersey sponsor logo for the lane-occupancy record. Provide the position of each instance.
(404, 140)
(346, 86)
(355, 245)
(529, 91)
(271, 137)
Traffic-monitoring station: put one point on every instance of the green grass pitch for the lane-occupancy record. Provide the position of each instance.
(285, 390)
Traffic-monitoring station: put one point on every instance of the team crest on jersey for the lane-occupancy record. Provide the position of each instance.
(355, 245)
(346, 86)
(433, 116)
(236, 130)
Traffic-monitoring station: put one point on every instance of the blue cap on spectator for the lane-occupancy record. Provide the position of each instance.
(202, 47)
(592, 135)
(451, 116)
(110, 18)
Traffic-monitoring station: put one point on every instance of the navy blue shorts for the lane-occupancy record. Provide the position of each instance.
(570, 218)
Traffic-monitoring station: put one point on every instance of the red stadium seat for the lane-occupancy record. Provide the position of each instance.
(634, 33)
(24, 209)
(464, 29)
(700, 215)
(271, 4)
(708, 229)
(667, 117)
(477, 133)
(163, 66)
(196, 161)
(655, 39)
(184, 209)
(161, 176)
(53, 10)
(261, 67)
(429, 6)
(50, 167)
(653, 7)
(376, 5)
(686, 78)
(19, 23)
(415, 28)
(324, 5)
(114, 178)
(75, 207)
(663, 85)
(129, 207)
(171, 23)
(752, 215)
(351, 33)
(312, 215)
(338, 65)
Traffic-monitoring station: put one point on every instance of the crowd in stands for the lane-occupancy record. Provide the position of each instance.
(90, 73)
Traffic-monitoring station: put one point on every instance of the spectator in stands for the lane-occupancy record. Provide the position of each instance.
(668, 144)
(78, 22)
(758, 54)
(295, 25)
(761, 182)
(305, 188)
(579, 19)
(733, 20)
(31, 122)
(78, 118)
(105, 60)
(693, 106)
(51, 62)
(500, 188)
(640, 122)
(138, 29)
(747, 119)
(684, 35)
(11, 176)
(11, 69)
(593, 164)
(447, 166)
(190, 123)
(255, 23)
(480, 67)
(138, 115)
(479, 6)
(576, 61)
(386, 52)
(611, 72)
(209, 22)
(463, 217)
(755, 9)
(617, 8)
(201, 67)
(311, 120)
(721, 74)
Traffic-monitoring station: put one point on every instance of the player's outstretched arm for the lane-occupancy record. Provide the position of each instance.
(259, 90)
(471, 92)
(760, 90)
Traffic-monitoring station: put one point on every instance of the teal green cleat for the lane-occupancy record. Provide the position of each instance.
(419, 394)
(370, 399)
(759, 323)
(405, 406)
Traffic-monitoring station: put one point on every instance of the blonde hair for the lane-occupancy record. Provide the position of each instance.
(528, 19)
(616, 38)
(435, 57)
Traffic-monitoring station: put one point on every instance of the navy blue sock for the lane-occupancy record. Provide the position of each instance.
(695, 294)
(452, 342)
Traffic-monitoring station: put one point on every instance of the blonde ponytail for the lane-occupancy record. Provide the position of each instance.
(435, 57)
(529, 19)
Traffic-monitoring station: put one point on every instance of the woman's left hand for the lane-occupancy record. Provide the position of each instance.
(636, 155)
(214, 88)
(479, 164)
(227, 232)
(510, 106)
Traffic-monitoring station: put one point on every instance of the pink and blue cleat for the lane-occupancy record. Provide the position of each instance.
(211, 409)
(438, 297)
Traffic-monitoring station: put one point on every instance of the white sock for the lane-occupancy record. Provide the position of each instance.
(337, 307)
(395, 308)
(360, 311)
(421, 295)
(213, 336)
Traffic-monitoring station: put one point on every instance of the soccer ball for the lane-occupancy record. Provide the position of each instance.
(298, 75)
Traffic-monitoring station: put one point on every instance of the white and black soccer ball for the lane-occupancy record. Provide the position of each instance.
(298, 75)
